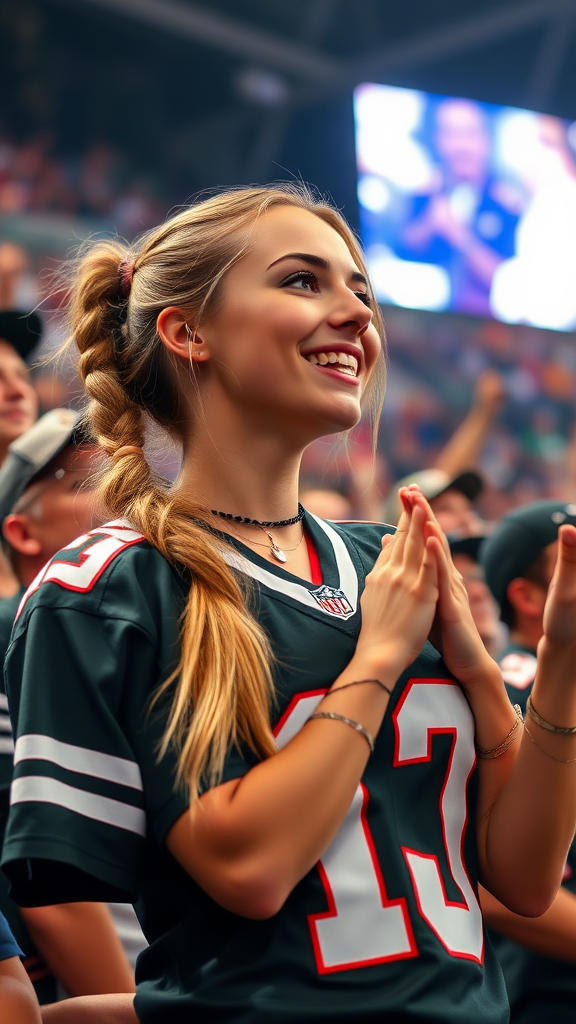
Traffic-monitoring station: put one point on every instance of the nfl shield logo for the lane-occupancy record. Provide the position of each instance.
(333, 601)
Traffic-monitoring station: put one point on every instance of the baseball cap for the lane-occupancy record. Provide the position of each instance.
(21, 330)
(466, 545)
(31, 453)
(518, 540)
(432, 483)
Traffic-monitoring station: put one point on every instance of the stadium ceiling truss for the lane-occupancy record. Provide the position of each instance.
(307, 65)
(315, 51)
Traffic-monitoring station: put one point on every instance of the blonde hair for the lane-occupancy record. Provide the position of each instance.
(222, 687)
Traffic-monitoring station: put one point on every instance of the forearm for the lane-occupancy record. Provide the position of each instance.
(111, 1009)
(531, 823)
(18, 1003)
(463, 449)
(80, 945)
(553, 934)
(260, 836)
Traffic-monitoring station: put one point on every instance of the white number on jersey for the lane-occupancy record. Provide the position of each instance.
(362, 926)
(105, 543)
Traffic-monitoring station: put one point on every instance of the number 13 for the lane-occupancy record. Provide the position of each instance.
(362, 926)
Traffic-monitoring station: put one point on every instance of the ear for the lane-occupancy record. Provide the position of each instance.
(16, 530)
(526, 598)
(179, 338)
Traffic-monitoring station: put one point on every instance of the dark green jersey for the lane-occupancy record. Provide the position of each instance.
(539, 988)
(8, 609)
(387, 927)
(44, 982)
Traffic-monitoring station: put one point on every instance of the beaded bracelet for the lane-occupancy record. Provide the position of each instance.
(547, 725)
(507, 742)
(347, 721)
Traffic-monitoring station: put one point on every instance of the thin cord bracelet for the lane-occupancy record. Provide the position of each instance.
(506, 742)
(547, 725)
(347, 721)
(358, 682)
(561, 760)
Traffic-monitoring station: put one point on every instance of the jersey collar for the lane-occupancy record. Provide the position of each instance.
(336, 598)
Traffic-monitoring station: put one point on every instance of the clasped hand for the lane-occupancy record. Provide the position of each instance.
(414, 588)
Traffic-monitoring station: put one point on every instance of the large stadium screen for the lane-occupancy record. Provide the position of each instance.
(467, 206)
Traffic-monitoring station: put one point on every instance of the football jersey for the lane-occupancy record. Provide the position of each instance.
(387, 926)
(40, 975)
(8, 609)
(539, 987)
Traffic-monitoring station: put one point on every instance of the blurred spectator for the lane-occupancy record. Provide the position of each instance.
(19, 335)
(451, 499)
(537, 955)
(465, 555)
(45, 502)
(96, 184)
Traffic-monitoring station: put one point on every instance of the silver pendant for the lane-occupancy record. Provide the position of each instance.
(279, 555)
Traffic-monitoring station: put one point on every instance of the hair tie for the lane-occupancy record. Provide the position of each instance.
(126, 449)
(125, 275)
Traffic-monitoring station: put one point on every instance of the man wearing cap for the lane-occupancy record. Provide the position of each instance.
(538, 956)
(451, 499)
(45, 503)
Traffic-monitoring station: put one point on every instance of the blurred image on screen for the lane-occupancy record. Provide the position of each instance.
(467, 206)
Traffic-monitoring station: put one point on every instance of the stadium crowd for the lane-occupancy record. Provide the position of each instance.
(479, 415)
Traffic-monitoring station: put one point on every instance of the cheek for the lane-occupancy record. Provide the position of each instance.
(261, 328)
(372, 346)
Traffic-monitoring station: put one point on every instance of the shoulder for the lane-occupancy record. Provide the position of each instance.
(110, 572)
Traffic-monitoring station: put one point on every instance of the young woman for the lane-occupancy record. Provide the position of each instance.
(204, 717)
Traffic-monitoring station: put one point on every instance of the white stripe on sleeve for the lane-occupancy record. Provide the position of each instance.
(5, 724)
(41, 789)
(35, 746)
(6, 745)
(3, 702)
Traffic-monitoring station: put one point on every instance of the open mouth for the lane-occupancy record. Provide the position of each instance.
(340, 361)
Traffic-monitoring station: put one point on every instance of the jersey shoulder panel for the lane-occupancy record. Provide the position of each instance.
(112, 572)
(366, 537)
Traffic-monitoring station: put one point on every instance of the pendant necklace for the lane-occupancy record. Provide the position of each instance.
(280, 554)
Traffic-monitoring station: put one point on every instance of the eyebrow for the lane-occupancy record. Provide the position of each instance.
(316, 261)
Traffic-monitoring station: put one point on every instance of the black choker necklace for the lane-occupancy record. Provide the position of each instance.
(275, 525)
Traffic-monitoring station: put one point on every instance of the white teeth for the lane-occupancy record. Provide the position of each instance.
(346, 363)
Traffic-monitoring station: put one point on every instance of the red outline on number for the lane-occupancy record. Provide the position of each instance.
(332, 912)
(296, 700)
(98, 535)
(432, 856)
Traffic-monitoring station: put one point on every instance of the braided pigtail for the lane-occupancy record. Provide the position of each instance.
(222, 690)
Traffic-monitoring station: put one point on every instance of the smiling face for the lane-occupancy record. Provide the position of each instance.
(291, 345)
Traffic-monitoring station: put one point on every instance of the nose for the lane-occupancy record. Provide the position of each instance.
(15, 387)
(350, 314)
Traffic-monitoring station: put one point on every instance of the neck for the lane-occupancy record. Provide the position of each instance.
(245, 472)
